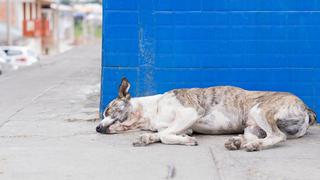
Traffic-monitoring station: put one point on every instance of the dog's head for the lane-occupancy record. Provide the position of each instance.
(117, 114)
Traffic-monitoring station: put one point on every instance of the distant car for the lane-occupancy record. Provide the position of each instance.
(19, 56)
(3, 57)
(3, 60)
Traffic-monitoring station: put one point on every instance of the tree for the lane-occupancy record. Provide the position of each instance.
(65, 2)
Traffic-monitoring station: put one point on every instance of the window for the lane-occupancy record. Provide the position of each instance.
(11, 52)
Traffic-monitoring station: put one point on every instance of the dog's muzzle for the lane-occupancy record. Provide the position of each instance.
(101, 129)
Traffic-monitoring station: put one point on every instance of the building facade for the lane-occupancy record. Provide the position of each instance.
(40, 24)
(256, 45)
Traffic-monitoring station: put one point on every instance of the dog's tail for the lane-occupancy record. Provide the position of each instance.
(312, 116)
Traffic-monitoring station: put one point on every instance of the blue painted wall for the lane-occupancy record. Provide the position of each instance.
(254, 44)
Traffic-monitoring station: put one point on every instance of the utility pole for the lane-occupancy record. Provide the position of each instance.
(8, 10)
(58, 25)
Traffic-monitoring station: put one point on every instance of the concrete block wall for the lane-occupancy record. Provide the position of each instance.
(254, 44)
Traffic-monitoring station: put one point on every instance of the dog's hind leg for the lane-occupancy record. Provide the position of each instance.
(251, 133)
(266, 121)
(255, 145)
(255, 139)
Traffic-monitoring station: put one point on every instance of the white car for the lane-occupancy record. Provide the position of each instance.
(3, 57)
(3, 60)
(19, 56)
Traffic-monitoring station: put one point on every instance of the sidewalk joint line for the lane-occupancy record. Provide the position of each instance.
(33, 100)
(216, 163)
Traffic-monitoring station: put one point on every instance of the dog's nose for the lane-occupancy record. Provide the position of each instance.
(98, 128)
(101, 129)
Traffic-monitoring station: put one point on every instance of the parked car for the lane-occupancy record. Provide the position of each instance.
(1, 68)
(3, 57)
(19, 56)
(3, 60)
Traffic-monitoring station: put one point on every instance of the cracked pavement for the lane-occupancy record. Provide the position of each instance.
(48, 114)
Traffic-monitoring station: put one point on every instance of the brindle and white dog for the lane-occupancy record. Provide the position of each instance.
(264, 118)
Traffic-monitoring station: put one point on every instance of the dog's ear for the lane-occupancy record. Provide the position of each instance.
(124, 89)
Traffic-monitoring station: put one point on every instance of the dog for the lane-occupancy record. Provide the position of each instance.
(262, 118)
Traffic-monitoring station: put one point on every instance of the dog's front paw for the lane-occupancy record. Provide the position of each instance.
(253, 146)
(142, 140)
(192, 141)
(138, 144)
(233, 143)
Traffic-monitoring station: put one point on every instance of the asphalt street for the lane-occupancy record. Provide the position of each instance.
(48, 115)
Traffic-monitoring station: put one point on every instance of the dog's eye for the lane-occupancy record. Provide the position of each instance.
(107, 112)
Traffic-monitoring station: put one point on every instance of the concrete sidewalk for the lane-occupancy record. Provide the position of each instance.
(48, 115)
